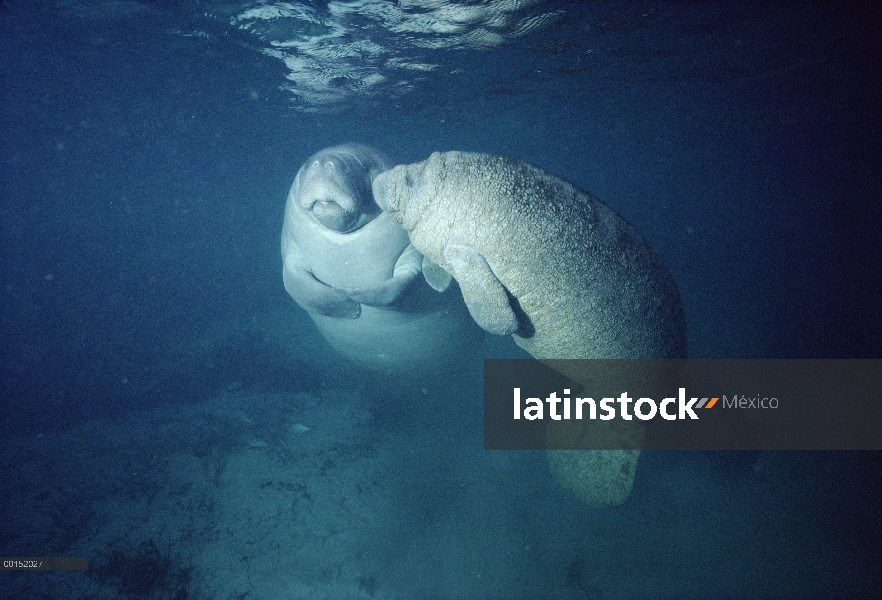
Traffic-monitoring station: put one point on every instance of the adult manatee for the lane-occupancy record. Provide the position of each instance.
(354, 270)
(538, 258)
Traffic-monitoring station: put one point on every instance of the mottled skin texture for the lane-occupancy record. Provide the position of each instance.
(538, 258)
(581, 281)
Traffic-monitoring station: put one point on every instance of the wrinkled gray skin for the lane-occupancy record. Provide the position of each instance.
(538, 258)
(353, 269)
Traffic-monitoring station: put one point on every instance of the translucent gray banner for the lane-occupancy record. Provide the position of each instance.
(683, 404)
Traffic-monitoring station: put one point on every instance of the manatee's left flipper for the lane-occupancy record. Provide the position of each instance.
(405, 272)
(483, 293)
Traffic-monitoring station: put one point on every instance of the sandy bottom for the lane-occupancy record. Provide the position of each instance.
(349, 493)
(236, 498)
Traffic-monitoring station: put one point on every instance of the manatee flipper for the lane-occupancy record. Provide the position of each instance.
(437, 278)
(405, 272)
(313, 295)
(484, 295)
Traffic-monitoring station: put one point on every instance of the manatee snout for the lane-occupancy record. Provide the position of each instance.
(381, 192)
(338, 196)
(335, 216)
(394, 189)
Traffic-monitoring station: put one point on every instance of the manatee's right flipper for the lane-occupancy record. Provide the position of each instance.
(437, 278)
(312, 295)
(483, 293)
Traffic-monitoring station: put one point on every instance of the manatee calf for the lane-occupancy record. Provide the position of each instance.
(354, 270)
(538, 258)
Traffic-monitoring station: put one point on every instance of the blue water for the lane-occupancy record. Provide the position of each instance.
(147, 150)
